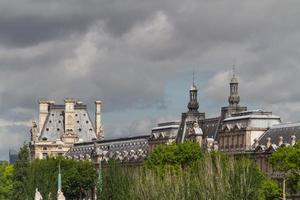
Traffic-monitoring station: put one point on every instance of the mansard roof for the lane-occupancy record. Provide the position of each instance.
(54, 125)
(284, 130)
(123, 149)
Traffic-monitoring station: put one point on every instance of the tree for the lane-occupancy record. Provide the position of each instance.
(287, 159)
(176, 155)
(6, 172)
(20, 174)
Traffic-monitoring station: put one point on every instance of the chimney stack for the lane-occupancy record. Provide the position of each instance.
(268, 142)
(43, 112)
(69, 114)
(280, 141)
(98, 122)
(293, 142)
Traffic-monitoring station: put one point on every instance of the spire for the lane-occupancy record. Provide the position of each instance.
(193, 103)
(59, 179)
(60, 194)
(234, 97)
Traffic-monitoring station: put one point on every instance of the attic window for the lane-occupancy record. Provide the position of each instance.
(84, 114)
(87, 122)
(58, 129)
(59, 121)
(76, 115)
(52, 114)
(50, 121)
(77, 122)
(47, 129)
(79, 129)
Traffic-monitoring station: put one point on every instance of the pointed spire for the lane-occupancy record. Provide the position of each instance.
(193, 104)
(59, 179)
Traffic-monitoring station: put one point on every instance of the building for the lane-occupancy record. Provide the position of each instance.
(61, 126)
(67, 130)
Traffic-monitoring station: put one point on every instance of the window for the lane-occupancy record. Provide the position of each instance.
(52, 114)
(44, 139)
(76, 115)
(59, 121)
(87, 122)
(47, 129)
(79, 129)
(45, 155)
(77, 122)
(58, 129)
(44, 148)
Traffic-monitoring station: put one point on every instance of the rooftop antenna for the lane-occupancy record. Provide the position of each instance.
(233, 70)
(193, 76)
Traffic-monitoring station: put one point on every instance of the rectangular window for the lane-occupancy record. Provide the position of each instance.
(45, 155)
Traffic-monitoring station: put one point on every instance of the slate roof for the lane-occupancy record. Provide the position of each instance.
(210, 127)
(285, 130)
(128, 146)
(54, 126)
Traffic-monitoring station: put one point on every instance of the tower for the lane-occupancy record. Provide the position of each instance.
(234, 98)
(193, 103)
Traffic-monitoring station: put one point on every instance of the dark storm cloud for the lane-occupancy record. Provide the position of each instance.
(125, 51)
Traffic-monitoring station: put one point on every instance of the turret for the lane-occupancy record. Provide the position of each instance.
(234, 98)
(193, 103)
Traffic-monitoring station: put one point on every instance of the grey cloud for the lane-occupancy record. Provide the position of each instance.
(125, 51)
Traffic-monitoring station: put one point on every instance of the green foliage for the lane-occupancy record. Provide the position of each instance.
(116, 182)
(269, 190)
(78, 177)
(210, 176)
(287, 159)
(165, 156)
(6, 184)
(21, 174)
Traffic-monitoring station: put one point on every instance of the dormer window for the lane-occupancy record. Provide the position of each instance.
(87, 122)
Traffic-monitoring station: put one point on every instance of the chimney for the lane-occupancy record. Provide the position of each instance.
(280, 141)
(98, 122)
(69, 114)
(293, 138)
(256, 143)
(268, 142)
(43, 113)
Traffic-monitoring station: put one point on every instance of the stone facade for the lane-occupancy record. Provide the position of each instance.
(236, 131)
(61, 126)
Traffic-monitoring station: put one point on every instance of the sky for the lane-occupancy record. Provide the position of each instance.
(138, 56)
